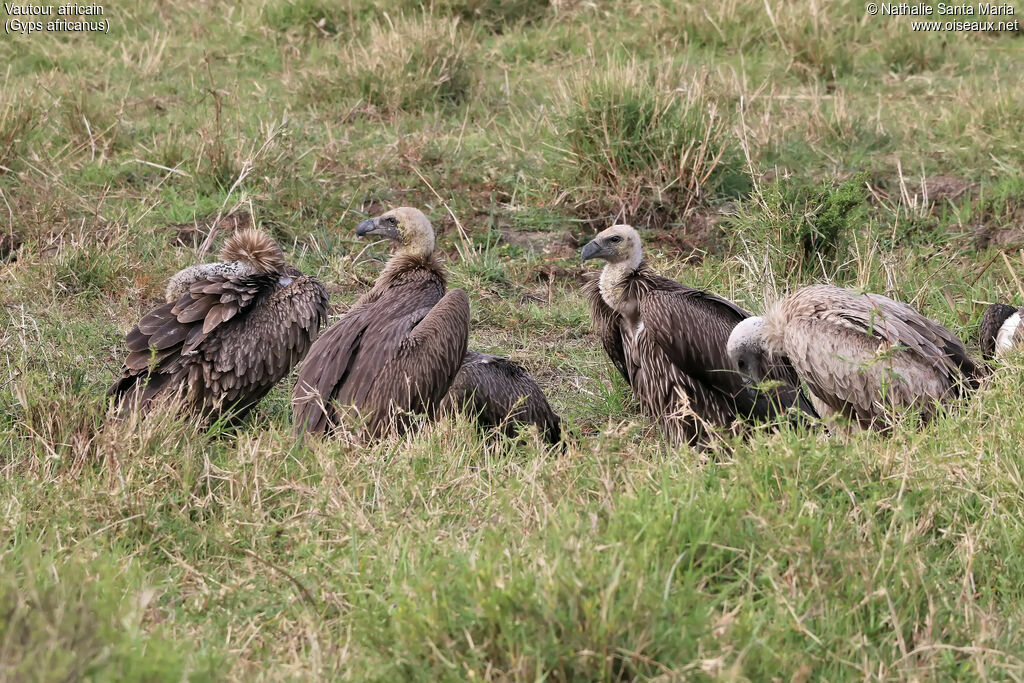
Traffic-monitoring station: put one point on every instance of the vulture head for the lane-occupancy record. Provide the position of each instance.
(406, 226)
(992, 323)
(746, 349)
(254, 249)
(619, 244)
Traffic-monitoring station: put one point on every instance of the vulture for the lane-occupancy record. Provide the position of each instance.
(396, 351)
(861, 355)
(1001, 330)
(228, 332)
(501, 395)
(668, 341)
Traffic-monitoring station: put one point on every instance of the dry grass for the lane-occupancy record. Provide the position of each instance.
(158, 550)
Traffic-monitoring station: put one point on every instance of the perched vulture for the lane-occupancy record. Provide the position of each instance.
(861, 355)
(397, 350)
(1001, 330)
(668, 341)
(502, 395)
(228, 332)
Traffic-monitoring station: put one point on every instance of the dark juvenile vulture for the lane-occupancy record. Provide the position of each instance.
(861, 355)
(1001, 330)
(397, 350)
(668, 341)
(501, 395)
(228, 332)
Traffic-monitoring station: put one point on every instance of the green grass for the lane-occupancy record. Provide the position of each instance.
(758, 151)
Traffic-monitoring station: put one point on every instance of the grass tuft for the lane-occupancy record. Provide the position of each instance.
(641, 145)
(413, 63)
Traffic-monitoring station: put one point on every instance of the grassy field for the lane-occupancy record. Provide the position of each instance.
(759, 145)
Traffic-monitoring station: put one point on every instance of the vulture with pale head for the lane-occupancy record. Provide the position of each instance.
(228, 332)
(864, 356)
(668, 341)
(396, 351)
(500, 394)
(1001, 330)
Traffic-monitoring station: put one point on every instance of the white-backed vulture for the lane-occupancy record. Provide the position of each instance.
(228, 332)
(861, 355)
(1001, 330)
(397, 350)
(668, 341)
(502, 395)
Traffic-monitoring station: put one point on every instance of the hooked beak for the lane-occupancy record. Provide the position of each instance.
(591, 250)
(366, 227)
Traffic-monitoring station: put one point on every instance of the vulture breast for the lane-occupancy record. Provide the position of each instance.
(395, 353)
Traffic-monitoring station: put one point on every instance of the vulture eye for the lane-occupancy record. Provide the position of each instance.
(742, 364)
(614, 239)
(392, 220)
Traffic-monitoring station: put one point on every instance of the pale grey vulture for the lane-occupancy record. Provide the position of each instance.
(862, 355)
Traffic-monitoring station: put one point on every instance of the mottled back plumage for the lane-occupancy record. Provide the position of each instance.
(863, 355)
(502, 395)
(228, 333)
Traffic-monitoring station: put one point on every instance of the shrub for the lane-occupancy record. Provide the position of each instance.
(633, 145)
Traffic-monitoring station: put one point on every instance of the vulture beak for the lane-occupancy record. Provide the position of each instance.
(366, 227)
(591, 250)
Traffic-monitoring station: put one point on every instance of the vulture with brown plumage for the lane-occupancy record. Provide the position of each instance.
(228, 332)
(668, 341)
(502, 395)
(396, 351)
(1001, 330)
(864, 356)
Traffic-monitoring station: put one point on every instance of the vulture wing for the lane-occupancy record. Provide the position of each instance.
(692, 327)
(607, 324)
(246, 361)
(170, 338)
(379, 362)
(501, 394)
(897, 323)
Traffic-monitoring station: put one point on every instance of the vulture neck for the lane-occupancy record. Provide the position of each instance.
(613, 283)
(402, 264)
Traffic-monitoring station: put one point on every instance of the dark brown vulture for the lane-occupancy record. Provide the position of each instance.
(228, 332)
(864, 356)
(1001, 330)
(397, 350)
(668, 341)
(501, 395)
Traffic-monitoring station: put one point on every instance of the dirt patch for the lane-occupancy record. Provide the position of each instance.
(947, 187)
(561, 244)
(193, 234)
(1007, 238)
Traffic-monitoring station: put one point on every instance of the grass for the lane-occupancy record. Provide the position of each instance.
(758, 146)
